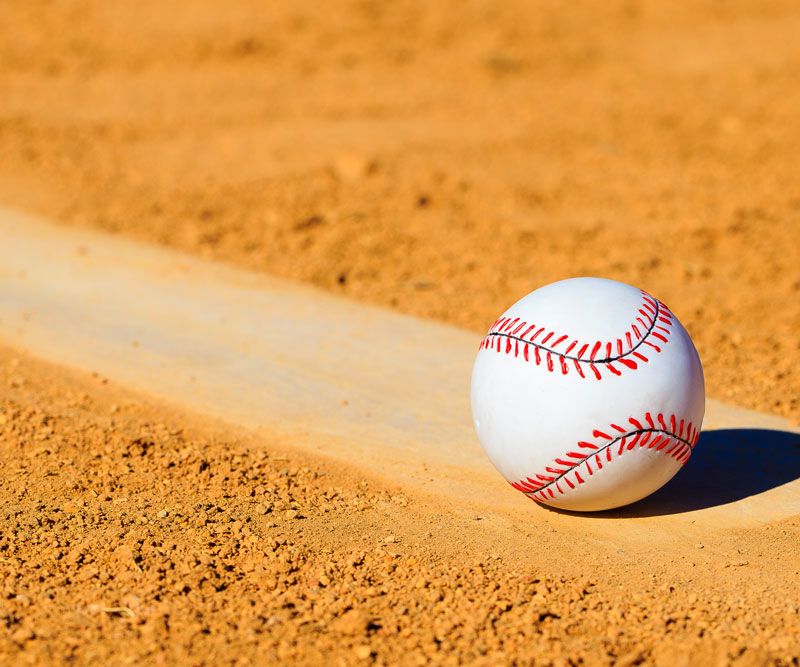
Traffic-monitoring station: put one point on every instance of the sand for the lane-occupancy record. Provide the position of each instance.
(442, 159)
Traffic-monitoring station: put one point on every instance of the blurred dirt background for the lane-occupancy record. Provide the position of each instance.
(438, 158)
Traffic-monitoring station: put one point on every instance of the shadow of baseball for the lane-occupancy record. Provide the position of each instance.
(727, 465)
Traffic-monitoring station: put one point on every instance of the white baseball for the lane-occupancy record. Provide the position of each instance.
(588, 394)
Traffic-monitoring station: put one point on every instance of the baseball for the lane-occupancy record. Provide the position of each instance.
(587, 394)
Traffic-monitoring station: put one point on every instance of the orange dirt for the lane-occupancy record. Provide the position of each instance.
(442, 159)
(134, 533)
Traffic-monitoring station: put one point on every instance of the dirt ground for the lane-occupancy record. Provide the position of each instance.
(442, 159)
(135, 534)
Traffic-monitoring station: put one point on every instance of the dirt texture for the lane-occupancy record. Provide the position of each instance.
(133, 533)
(442, 159)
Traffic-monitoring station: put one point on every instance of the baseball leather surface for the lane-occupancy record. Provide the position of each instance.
(587, 394)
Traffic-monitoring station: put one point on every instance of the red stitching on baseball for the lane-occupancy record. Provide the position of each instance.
(647, 432)
(653, 316)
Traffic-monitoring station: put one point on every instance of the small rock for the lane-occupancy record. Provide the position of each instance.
(632, 658)
(363, 652)
(292, 514)
(163, 514)
(352, 622)
(23, 635)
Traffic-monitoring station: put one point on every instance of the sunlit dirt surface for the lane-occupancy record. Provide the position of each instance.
(442, 159)
(133, 533)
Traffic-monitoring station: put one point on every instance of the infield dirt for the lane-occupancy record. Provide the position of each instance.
(442, 159)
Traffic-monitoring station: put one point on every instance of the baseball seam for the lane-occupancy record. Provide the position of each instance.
(652, 321)
(543, 487)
